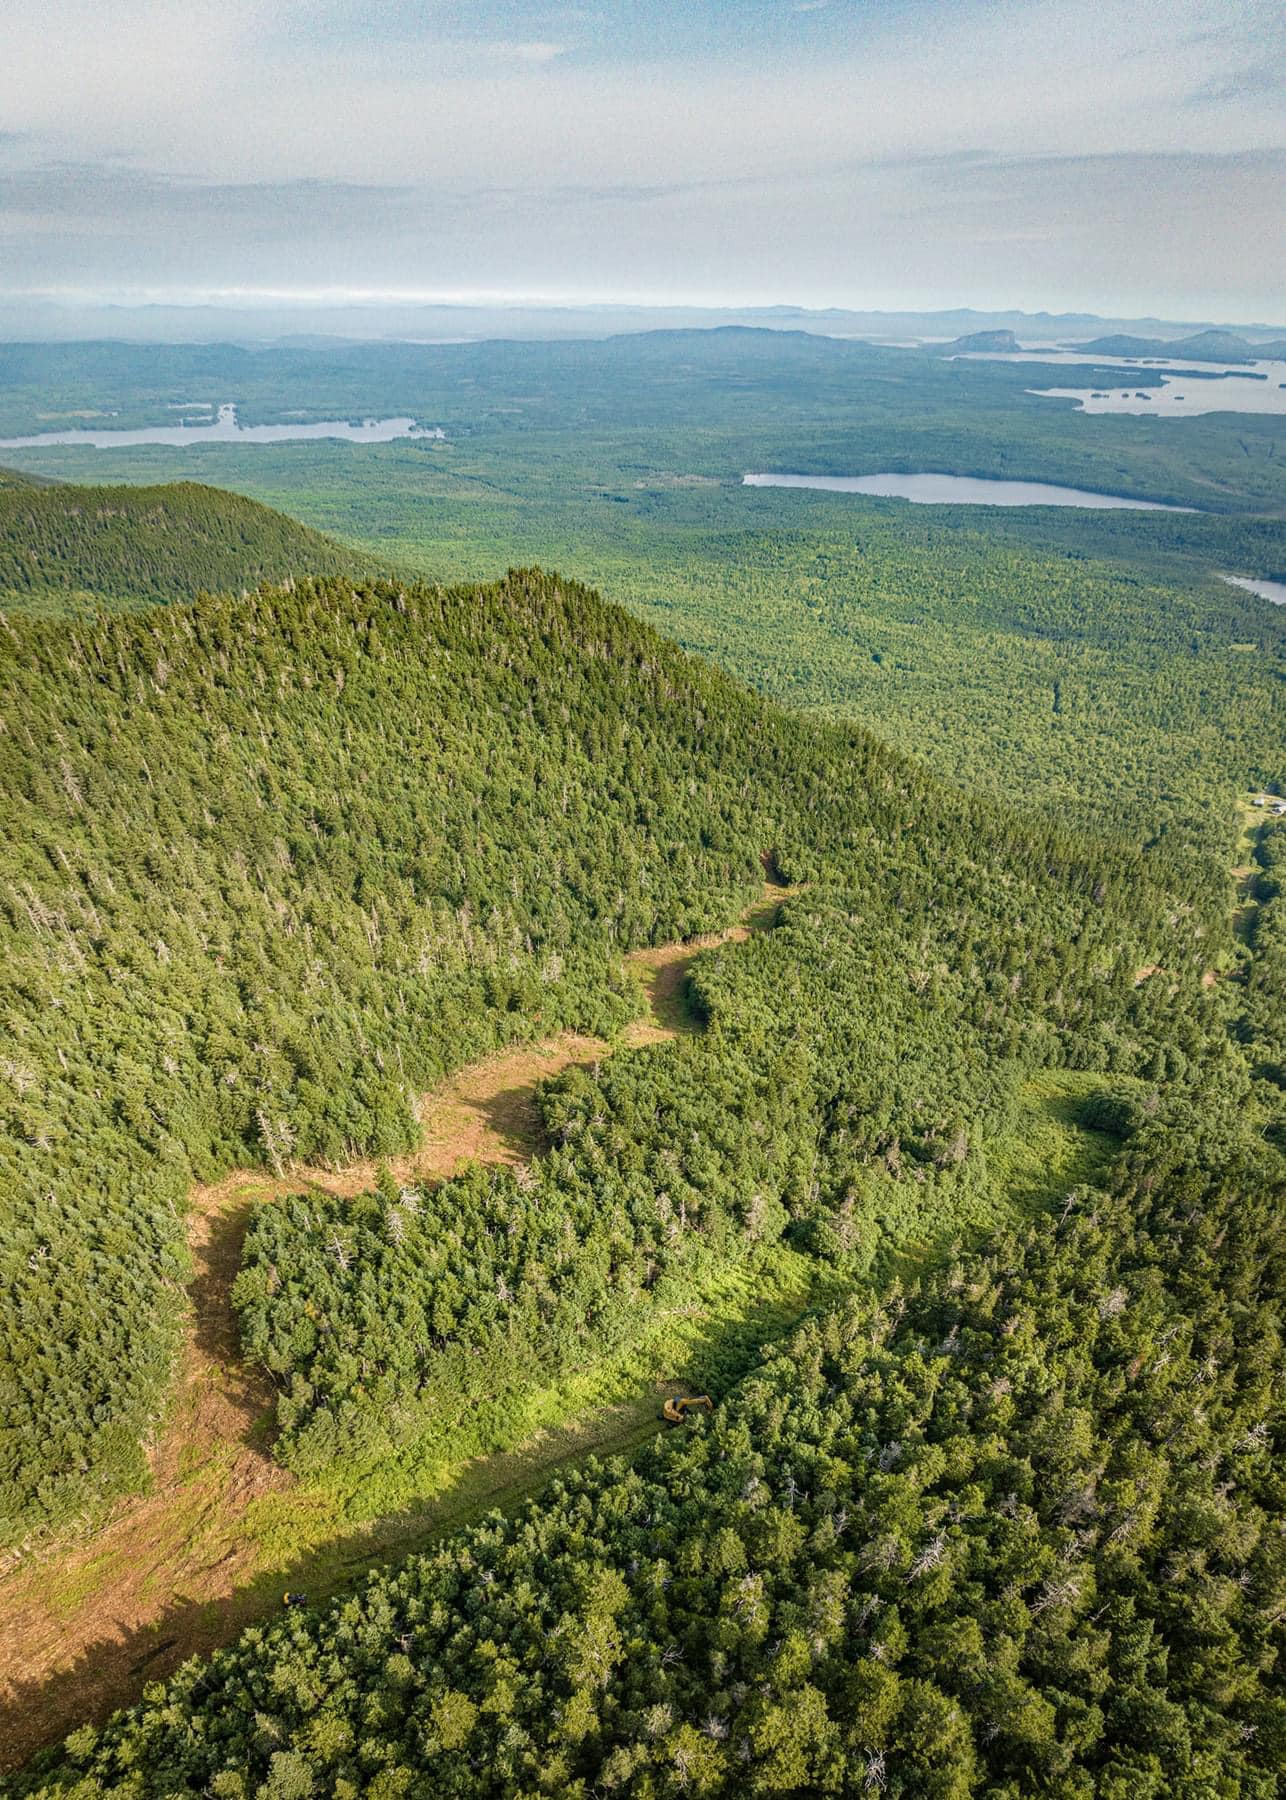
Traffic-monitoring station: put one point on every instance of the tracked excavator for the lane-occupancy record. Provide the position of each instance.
(676, 1410)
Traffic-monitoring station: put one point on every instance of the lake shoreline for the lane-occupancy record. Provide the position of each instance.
(225, 428)
(931, 489)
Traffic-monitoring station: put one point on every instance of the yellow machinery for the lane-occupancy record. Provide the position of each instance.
(675, 1411)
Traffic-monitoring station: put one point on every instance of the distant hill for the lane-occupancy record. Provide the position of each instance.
(143, 544)
(996, 342)
(1205, 346)
(39, 322)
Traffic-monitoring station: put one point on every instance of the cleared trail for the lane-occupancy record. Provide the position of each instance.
(185, 1567)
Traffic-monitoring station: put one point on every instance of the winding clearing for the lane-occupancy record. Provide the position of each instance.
(184, 1568)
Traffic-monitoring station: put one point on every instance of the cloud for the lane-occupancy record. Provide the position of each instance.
(1252, 82)
(229, 92)
(430, 139)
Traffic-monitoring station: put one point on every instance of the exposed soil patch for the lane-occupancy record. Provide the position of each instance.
(178, 1542)
(664, 974)
(174, 1573)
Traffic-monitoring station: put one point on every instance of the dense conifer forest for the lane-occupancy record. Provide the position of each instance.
(251, 913)
(999, 1519)
(1013, 1531)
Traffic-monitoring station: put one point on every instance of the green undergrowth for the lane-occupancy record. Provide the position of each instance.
(504, 1446)
(507, 1447)
(1043, 1153)
(1047, 1149)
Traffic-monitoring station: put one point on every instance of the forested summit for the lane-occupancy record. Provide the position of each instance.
(61, 544)
(277, 863)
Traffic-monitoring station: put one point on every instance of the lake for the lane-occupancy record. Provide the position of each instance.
(1169, 396)
(224, 429)
(1267, 590)
(1155, 387)
(959, 490)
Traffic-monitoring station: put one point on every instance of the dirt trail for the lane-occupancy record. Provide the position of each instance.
(176, 1573)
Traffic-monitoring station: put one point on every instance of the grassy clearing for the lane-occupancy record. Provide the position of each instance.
(1043, 1152)
(1251, 820)
(509, 1447)
(1047, 1151)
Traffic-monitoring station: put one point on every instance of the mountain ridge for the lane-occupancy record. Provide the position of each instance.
(1202, 346)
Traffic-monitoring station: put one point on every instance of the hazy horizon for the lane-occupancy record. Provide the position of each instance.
(900, 157)
(463, 321)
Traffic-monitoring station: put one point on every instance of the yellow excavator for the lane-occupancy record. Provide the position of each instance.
(676, 1410)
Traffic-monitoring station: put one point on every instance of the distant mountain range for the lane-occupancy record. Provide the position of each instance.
(1205, 346)
(48, 320)
(1202, 346)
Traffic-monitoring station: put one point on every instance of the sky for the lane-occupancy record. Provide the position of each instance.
(1116, 156)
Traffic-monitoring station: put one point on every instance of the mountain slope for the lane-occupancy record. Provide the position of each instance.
(295, 856)
(279, 862)
(137, 544)
(979, 342)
